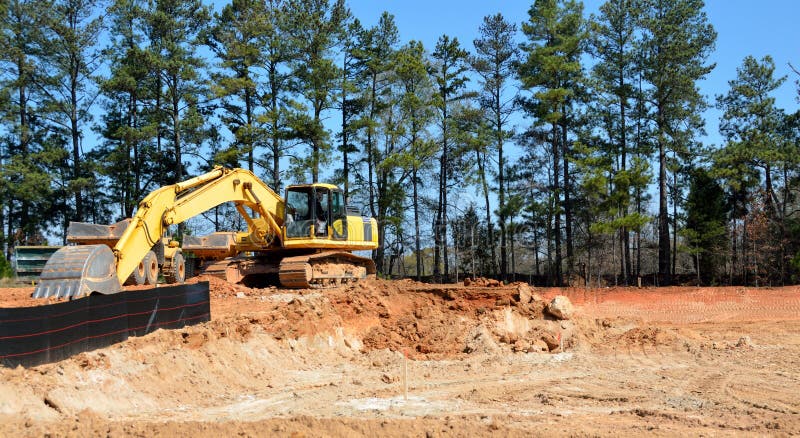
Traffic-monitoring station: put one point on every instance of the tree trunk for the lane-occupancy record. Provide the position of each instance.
(315, 144)
(445, 160)
(76, 148)
(437, 231)
(382, 210)
(549, 237)
(345, 161)
(176, 138)
(744, 251)
(784, 235)
(567, 189)
(674, 223)
(417, 242)
(274, 110)
(137, 159)
(489, 227)
(502, 202)
(625, 234)
(663, 213)
(536, 251)
(7, 239)
(371, 153)
(733, 261)
(556, 205)
(248, 105)
(345, 131)
(513, 254)
(160, 177)
(23, 143)
(769, 191)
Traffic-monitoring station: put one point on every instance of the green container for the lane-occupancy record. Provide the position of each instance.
(29, 261)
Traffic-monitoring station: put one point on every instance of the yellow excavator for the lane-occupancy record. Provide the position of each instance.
(306, 238)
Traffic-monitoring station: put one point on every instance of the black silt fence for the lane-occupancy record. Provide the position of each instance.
(32, 336)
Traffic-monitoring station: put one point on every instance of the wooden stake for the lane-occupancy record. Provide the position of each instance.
(405, 375)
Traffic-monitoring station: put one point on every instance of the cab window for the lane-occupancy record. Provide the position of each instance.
(298, 213)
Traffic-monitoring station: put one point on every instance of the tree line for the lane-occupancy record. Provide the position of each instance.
(579, 135)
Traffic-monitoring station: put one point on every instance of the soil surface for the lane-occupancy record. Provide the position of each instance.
(476, 360)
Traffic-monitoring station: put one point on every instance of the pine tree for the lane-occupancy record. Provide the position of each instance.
(613, 42)
(552, 71)
(750, 120)
(677, 40)
(315, 28)
(19, 26)
(127, 154)
(597, 209)
(175, 27)
(448, 71)
(755, 144)
(351, 102)
(276, 96)
(69, 60)
(392, 168)
(376, 48)
(236, 38)
(475, 138)
(705, 225)
(411, 68)
(495, 59)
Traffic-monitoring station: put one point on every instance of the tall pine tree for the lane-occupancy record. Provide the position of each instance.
(70, 59)
(236, 38)
(494, 61)
(552, 71)
(448, 71)
(315, 28)
(677, 40)
(613, 42)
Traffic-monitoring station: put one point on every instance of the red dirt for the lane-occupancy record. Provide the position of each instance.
(669, 361)
(687, 305)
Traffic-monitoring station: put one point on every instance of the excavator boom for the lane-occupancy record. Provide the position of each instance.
(74, 271)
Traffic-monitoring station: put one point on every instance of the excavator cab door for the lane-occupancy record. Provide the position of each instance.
(322, 211)
(299, 212)
(338, 215)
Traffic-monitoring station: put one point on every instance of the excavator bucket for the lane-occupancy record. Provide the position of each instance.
(77, 271)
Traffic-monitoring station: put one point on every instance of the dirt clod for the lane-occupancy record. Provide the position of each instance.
(560, 307)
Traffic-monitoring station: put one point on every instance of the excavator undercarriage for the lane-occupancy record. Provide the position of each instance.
(324, 269)
(308, 271)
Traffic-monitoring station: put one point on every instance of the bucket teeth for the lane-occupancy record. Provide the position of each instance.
(77, 271)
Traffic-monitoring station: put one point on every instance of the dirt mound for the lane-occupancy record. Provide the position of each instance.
(426, 321)
(433, 321)
(482, 282)
(440, 322)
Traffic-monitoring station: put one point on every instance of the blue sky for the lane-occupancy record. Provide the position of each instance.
(744, 27)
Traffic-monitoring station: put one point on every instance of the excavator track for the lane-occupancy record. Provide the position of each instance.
(324, 270)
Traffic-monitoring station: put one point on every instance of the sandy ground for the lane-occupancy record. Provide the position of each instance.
(669, 361)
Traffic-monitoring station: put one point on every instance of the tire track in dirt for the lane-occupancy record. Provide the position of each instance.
(766, 395)
(692, 305)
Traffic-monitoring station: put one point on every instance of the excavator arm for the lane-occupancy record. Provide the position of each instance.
(75, 271)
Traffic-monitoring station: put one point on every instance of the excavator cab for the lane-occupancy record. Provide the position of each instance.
(315, 211)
